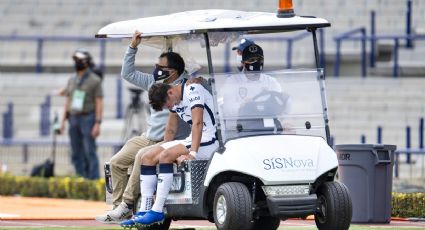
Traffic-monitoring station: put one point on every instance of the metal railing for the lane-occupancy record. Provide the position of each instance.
(373, 39)
(40, 41)
(348, 36)
(408, 150)
(8, 121)
(21, 155)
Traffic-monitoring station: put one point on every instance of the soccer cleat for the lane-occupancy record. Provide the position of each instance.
(130, 222)
(151, 217)
(120, 213)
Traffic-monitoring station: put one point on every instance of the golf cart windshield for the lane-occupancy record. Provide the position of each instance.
(278, 102)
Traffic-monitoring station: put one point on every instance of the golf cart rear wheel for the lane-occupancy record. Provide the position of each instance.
(334, 207)
(266, 223)
(232, 207)
(163, 226)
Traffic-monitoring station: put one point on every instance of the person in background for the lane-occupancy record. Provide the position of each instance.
(83, 109)
(97, 70)
(93, 67)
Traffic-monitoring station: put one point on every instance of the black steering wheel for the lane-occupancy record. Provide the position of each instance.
(267, 102)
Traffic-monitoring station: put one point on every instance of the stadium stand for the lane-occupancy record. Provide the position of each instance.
(84, 18)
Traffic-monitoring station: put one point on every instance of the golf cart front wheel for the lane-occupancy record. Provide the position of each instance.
(232, 207)
(334, 207)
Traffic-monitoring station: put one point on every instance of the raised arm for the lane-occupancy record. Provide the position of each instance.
(129, 72)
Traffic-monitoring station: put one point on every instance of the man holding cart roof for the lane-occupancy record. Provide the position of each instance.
(171, 70)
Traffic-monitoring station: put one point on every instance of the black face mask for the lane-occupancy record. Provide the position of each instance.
(80, 65)
(255, 66)
(160, 74)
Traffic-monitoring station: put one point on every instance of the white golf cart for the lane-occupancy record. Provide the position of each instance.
(274, 161)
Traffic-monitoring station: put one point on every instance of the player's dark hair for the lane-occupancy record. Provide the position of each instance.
(158, 95)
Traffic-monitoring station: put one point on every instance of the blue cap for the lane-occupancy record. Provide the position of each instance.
(245, 42)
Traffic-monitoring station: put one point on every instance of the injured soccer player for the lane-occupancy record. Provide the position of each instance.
(194, 104)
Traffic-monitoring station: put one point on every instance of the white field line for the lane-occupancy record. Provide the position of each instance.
(3, 215)
(20, 224)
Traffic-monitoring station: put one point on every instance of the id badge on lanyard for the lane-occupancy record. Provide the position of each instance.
(78, 100)
(78, 96)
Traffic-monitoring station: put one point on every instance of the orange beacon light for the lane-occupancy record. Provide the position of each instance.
(286, 9)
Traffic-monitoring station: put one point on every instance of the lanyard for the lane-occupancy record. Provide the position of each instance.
(85, 76)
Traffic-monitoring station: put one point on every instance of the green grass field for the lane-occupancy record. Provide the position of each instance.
(353, 227)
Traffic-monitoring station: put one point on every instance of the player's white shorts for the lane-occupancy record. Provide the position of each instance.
(205, 151)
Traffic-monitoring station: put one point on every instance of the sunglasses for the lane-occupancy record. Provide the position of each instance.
(162, 67)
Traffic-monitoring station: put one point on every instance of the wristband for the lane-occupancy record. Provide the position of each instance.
(98, 121)
(193, 153)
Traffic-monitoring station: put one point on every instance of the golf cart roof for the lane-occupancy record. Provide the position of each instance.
(213, 20)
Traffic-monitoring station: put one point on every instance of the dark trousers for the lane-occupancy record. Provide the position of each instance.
(83, 145)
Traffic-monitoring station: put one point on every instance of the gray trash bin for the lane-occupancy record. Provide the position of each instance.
(367, 172)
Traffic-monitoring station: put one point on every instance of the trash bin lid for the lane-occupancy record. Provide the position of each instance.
(361, 147)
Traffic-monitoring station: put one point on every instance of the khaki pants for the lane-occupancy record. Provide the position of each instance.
(129, 155)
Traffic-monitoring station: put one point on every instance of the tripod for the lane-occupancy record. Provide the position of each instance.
(136, 115)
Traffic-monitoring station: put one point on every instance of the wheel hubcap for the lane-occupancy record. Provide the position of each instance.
(221, 209)
(321, 215)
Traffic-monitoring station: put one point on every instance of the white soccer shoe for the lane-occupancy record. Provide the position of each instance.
(116, 216)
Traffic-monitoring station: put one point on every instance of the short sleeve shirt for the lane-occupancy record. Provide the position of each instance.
(193, 96)
(91, 85)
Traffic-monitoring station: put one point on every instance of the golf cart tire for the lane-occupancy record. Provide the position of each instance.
(238, 206)
(163, 226)
(334, 200)
(266, 223)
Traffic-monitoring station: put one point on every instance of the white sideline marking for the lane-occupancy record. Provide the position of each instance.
(31, 224)
(2, 215)
(297, 224)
